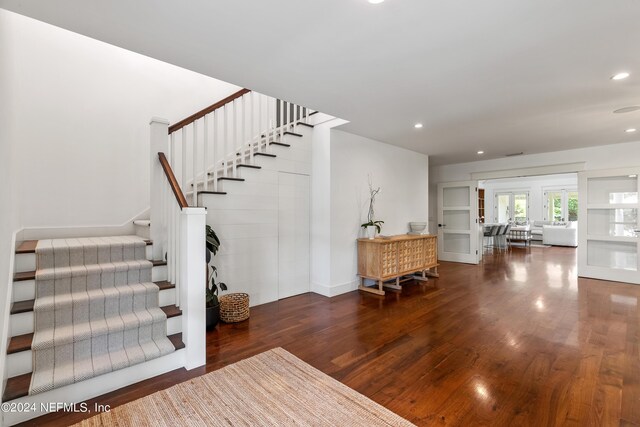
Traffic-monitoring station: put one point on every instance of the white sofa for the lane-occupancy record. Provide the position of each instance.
(560, 235)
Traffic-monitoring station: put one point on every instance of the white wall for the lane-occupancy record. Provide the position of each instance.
(79, 117)
(601, 157)
(9, 211)
(403, 176)
(246, 220)
(536, 187)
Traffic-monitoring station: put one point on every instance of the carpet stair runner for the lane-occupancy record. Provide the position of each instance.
(96, 310)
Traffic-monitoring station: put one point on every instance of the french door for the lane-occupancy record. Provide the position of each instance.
(561, 205)
(511, 206)
(608, 227)
(458, 227)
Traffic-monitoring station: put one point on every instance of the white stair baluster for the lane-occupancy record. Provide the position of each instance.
(194, 181)
(205, 154)
(261, 128)
(282, 120)
(243, 127)
(183, 141)
(252, 130)
(268, 131)
(234, 138)
(171, 268)
(225, 142)
(215, 152)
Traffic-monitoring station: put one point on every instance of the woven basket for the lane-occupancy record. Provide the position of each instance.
(234, 307)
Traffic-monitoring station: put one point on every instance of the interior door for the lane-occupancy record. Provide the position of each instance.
(458, 222)
(293, 234)
(608, 227)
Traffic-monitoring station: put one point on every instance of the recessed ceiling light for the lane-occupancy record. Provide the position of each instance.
(375, 1)
(480, 152)
(620, 76)
(418, 126)
(631, 130)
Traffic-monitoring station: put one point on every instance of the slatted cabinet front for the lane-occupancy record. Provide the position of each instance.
(383, 259)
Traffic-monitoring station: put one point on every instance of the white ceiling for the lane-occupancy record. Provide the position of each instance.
(503, 76)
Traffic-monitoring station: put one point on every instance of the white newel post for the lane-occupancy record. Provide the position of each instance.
(159, 144)
(192, 289)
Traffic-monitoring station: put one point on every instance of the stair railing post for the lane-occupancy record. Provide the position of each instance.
(159, 143)
(193, 280)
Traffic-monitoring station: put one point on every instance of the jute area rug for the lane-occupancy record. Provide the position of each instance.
(273, 388)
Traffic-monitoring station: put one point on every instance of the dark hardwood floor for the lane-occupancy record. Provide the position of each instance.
(515, 341)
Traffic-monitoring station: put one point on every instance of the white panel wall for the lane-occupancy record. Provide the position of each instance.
(602, 157)
(79, 120)
(246, 221)
(536, 187)
(403, 176)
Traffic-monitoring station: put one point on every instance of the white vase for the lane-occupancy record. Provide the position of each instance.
(371, 231)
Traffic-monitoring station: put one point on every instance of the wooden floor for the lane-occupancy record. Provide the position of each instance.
(515, 341)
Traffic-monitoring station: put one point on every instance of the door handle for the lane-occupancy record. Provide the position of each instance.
(442, 225)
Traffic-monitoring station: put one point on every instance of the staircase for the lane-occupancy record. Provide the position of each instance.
(45, 328)
(96, 314)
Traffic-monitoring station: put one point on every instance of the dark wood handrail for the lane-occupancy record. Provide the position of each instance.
(173, 182)
(192, 118)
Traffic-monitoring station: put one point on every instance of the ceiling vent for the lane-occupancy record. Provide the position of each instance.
(514, 154)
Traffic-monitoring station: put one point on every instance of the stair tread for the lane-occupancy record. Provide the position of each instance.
(163, 284)
(230, 178)
(29, 246)
(23, 342)
(31, 275)
(264, 154)
(20, 343)
(22, 306)
(171, 311)
(18, 386)
(212, 192)
(282, 144)
(25, 275)
(27, 305)
(249, 166)
(176, 340)
(293, 134)
(305, 124)
(315, 112)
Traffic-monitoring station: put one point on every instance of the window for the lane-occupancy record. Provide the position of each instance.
(511, 206)
(561, 205)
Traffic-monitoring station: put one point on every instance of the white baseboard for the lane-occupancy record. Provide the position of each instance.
(75, 393)
(332, 291)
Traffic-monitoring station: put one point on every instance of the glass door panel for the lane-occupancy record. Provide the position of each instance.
(572, 206)
(609, 242)
(520, 207)
(511, 207)
(503, 208)
(458, 226)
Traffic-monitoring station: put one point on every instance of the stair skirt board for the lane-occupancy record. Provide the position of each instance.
(96, 310)
(94, 387)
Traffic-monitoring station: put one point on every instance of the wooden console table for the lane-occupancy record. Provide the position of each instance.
(383, 259)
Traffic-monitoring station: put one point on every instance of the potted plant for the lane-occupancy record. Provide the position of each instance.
(372, 226)
(213, 287)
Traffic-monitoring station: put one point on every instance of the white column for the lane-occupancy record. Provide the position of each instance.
(159, 143)
(192, 285)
